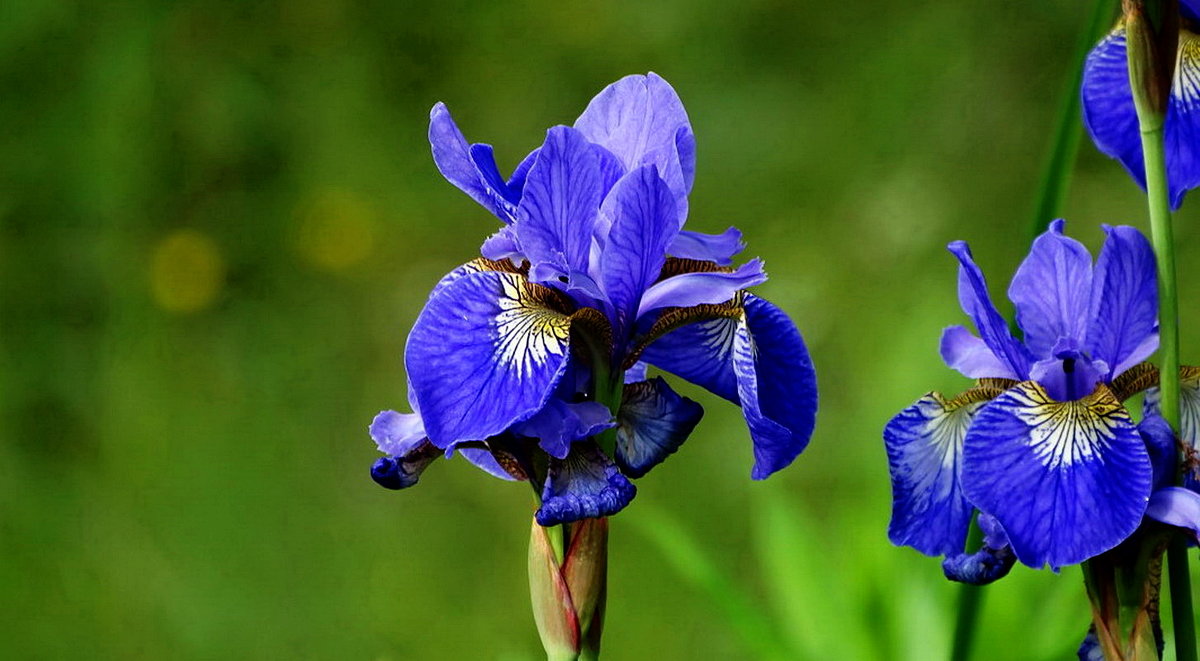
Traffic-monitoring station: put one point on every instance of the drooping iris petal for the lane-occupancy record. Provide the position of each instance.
(1067, 480)
(652, 423)
(700, 352)
(452, 155)
(587, 484)
(1189, 419)
(486, 462)
(1052, 290)
(1124, 312)
(975, 301)
(718, 248)
(924, 446)
(702, 288)
(970, 356)
(397, 433)
(1176, 506)
(559, 424)
(1160, 446)
(989, 564)
(1111, 118)
(558, 209)
(1090, 649)
(485, 353)
(777, 386)
(642, 211)
(641, 120)
(403, 471)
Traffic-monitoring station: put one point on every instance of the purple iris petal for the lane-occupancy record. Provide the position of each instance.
(453, 158)
(397, 433)
(558, 209)
(719, 248)
(641, 120)
(1189, 423)
(1160, 445)
(653, 422)
(559, 424)
(483, 355)
(587, 484)
(1190, 9)
(1124, 311)
(1090, 649)
(1066, 480)
(970, 356)
(642, 211)
(1067, 378)
(502, 245)
(701, 353)
(484, 460)
(1176, 506)
(484, 158)
(777, 386)
(691, 289)
(924, 446)
(987, 565)
(975, 301)
(1052, 290)
(637, 372)
(1111, 118)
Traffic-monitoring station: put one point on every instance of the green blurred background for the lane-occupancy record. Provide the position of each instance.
(218, 221)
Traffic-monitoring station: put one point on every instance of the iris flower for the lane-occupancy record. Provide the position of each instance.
(1042, 446)
(531, 359)
(1111, 119)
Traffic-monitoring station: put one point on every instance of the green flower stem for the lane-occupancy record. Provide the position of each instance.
(970, 600)
(1164, 248)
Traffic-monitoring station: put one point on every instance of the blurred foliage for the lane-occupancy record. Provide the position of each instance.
(219, 219)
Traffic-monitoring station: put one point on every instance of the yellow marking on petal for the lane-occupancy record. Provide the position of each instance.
(1065, 433)
(947, 422)
(186, 272)
(1187, 70)
(527, 331)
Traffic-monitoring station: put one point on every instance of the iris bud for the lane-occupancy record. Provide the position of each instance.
(1152, 38)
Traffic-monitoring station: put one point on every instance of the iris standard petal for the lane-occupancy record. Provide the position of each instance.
(1160, 446)
(642, 212)
(641, 120)
(561, 198)
(1189, 418)
(484, 158)
(1067, 480)
(486, 352)
(502, 245)
(1052, 290)
(700, 352)
(970, 356)
(559, 424)
(1176, 506)
(452, 155)
(397, 433)
(702, 288)
(924, 447)
(652, 423)
(1124, 313)
(587, 484)
(777, 386)
(719, 248)
(975, 301)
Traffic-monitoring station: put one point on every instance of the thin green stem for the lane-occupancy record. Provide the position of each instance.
(1068, 130)
(1164, 249)
(970, 600)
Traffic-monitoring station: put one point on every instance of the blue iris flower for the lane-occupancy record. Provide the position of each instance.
(1042, 446)
(591, 278)
(1111, 119)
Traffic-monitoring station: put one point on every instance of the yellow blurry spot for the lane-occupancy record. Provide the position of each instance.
(336, 229)
(186, 272)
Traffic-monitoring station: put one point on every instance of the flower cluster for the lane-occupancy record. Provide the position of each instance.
(1111, 117)
(1042, 446)
(531, 360)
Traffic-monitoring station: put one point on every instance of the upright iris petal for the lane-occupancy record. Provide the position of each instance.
(1052, 290)
(1123, 330)
(472, 168)
(977, 303)
(1111, 118)
(1068, 480)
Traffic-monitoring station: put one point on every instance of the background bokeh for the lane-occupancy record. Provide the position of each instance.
(218, 221)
